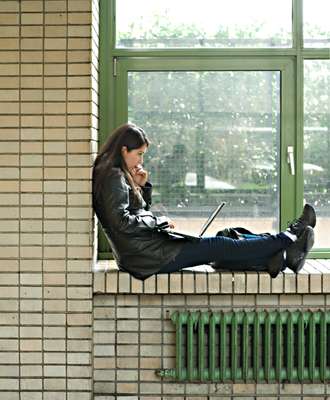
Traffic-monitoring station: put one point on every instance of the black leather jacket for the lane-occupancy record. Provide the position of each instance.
(128, 224)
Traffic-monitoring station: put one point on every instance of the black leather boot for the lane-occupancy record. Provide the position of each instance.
(296, 253)
(307, 218)
(275, 264)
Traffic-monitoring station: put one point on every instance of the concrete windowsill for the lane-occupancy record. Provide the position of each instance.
(313, 279)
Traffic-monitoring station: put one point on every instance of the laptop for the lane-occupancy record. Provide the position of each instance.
(186, 235)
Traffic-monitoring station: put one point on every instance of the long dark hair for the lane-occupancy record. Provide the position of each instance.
(110, 154)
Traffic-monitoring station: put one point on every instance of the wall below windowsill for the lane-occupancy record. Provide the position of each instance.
(314, 279)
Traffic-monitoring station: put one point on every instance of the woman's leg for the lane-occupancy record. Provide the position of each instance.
(236, 253)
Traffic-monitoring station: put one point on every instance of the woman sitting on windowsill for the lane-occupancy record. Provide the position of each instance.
(122, 200)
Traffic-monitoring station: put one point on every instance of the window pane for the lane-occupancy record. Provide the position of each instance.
(316, 23)
(215, 137)
(207, 23)
(317, 145)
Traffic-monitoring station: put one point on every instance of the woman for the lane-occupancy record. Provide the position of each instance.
(122, 200)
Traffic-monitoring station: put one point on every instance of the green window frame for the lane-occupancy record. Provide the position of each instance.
(116, 62)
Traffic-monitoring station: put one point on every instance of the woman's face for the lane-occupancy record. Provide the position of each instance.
(133, 158)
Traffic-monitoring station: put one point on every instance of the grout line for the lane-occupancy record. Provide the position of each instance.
(19, 199)
(43, 208)
(66, 199)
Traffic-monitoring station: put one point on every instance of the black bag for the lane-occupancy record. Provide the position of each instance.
(237, 233)
(240, 233)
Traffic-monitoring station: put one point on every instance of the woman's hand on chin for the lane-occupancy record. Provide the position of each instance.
(140, 175)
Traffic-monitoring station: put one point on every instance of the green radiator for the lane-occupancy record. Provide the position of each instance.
(268, 346)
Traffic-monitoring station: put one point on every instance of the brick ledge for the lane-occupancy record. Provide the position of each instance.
(314, 279)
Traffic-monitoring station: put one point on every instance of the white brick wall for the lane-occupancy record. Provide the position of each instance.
(48, 117)
(134, 336)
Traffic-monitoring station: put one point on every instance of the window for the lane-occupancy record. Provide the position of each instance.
(316, 23)
(316, 166)
(213, 23)
(235, 98)
(217, 135)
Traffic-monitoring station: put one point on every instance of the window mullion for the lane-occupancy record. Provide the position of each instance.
(297, 25)
(298, 41)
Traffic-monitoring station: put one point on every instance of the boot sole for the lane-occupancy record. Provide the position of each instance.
(308, 246)
(313, 215)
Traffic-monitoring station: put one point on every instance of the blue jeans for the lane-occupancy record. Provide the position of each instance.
(251, 254)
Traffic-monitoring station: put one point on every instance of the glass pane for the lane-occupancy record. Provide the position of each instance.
(203, 24)
(215, 137)
(317, 145)
(316, 23)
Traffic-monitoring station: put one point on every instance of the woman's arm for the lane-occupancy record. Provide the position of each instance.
(147, 196)
(115, 197)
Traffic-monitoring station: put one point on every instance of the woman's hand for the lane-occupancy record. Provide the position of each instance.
(165, 222)
(139, 175)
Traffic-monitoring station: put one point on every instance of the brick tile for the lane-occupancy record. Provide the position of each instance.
(112, 282)
(175, 282)
(326, 283)
(188, 282)
(239, 282)
(315, 283)
(136, 285)
(150, 285)
(264, 282)
(201, 283)
(226, 283)
(251, 282)
(291, 300)
(289, 283)
(303, 283)
(213, 281)
(277, 284)
(162, 283)
(123, 282)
